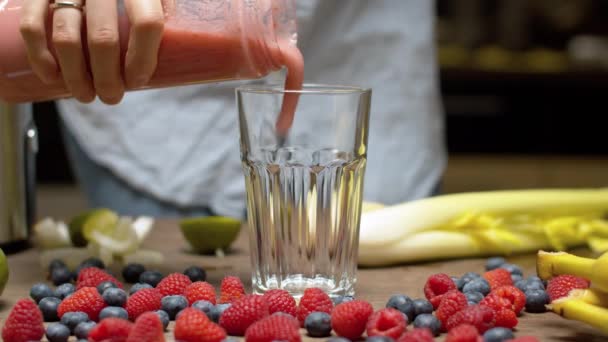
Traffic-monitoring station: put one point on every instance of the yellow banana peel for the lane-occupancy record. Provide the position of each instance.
(549, 265)
(579, 310)
(483, 224)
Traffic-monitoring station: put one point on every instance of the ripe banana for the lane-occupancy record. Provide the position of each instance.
(579, 310)
(549, 265)
(483, 223)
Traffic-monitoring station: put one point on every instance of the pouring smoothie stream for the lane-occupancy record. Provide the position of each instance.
(201, 42)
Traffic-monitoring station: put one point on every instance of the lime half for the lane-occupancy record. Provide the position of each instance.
(99, 221)
(207, 234)
(3, 271)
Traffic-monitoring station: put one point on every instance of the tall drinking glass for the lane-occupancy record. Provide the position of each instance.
(304, 188)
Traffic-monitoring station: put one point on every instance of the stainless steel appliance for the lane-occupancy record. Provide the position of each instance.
(18, 147)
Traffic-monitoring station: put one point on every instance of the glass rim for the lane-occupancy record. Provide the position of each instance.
(307, 88)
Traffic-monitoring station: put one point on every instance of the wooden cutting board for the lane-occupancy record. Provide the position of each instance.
(375, 285)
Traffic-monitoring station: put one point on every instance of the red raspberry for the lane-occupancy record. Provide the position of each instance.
(243, 313)
(312, 300)
(93, 276)
(274, 328)
(147, 327)
(498, 277)
(514, 295)
(280, 301)
(143, 301)
(231, 289)
(524, 339)
(24, 323)
(387, 322)
(463, 333)
(451, 303)
(349, 319)
(111, 329)
(505, 318)
(479, 316)
(87, 300)
(417, 335)
(173, 284)
(496, 302)
(200, 290)
(561, 286)
(192, 325)
(436, 286)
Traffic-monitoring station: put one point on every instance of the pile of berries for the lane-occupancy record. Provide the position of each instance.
(96, 308)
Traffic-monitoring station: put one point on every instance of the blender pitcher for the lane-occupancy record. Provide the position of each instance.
(203, 41)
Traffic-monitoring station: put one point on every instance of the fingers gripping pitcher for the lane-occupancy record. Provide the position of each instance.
(203, 41)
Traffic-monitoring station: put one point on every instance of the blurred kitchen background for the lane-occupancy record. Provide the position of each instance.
(525, 88)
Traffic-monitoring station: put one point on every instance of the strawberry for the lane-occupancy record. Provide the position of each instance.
(173, 284)
(313, 299)
(192, 325)
(243, 313)
(561, 286)
(147, 327)
(436, 286)
(24, 323)
(386, 322)
(280, 301)
(93, 276)
(274, 328)
(200, 290)
(86, 299)
(349, 319)
(231, 289)
(452, 302)
(464, 333)
(111, 329)
(142, 301)
(498, 277)
(479, 316)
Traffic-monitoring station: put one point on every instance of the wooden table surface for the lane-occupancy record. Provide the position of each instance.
(375, 285)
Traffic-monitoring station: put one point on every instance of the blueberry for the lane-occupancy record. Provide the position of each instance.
(92, 262)
(536, 300)
(137, 287)
(205, 306)
(48, 306)
(516, 277)
(403, 304)
(422, 306)
(103, 286)
(131, 272)
(57, 332)
(64, 290)
(472, 275)
(465, 279)
(72, 319)
(218, 310)
(164, 318)
(494, 263)
(338, 339)
(114, 296)
(473, 297)
(195, 273)
(537, 282)
(151, 278)
(455, 280)
(513, 269)
(56, 263)
(61, 275)
(428, 321)
(342, 299)
(498, 335)
(526, 285)
(113, 311)
(83, 328)
(477, 285)
(39, 291)
(173, 304)
(379, 339)
(318, 324)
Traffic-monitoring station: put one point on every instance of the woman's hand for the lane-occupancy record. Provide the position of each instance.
(105, 78)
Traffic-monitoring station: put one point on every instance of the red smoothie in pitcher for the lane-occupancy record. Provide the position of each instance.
(190, 52)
